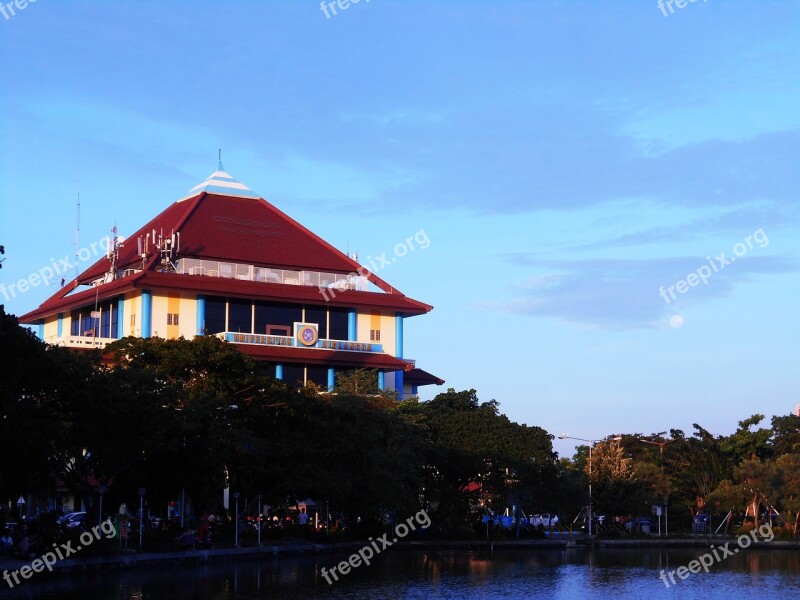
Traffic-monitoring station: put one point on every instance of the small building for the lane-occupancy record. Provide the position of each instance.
(223, 261)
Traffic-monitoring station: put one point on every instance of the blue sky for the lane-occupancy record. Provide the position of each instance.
(565, 159)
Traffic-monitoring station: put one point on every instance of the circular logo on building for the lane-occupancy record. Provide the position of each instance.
(307, 335)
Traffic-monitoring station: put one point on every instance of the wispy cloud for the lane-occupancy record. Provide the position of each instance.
(768, 215)
(623, 294)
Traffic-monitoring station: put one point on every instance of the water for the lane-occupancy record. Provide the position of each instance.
(457, 574)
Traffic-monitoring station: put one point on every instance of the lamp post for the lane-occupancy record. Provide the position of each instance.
(101, 489)
(564, 436)
(20, 504)
(236, 520)
(259, 520)
(141, 492)
(661, 460)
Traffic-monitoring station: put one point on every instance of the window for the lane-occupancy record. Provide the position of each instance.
(375, 335)
(215, 315)
(108, 320)
(337, 323)
(240, 316)
(133, 321)
(114, 332)
(172, 318)
(318, 315)
(87, 323)
(293, 375)
(271, 313)
(318, 374)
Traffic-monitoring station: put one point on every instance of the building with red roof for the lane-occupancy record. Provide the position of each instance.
(223, 261)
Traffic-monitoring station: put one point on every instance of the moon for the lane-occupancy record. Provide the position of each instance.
(676, 321)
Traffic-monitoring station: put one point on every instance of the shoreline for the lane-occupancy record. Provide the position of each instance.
(134, 560)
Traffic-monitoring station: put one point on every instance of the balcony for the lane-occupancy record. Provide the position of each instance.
(245, 272)
(80, 342)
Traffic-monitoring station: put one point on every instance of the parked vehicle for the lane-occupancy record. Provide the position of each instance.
(75, 521)
(66, 517)
(641, 524)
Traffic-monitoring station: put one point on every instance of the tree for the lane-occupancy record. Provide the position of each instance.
(789, 466)
(786, 435)
(479, 457)
(728, 497)
(362, 383)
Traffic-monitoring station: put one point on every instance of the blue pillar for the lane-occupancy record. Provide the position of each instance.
(414, 390)
(331, 379)
(201, 315)
(41, 329)
(279, 372)
(352, 326)
(398, 335)
(60, 330)
(147, 313)
(381, 385)
(120, 317)
(398, 351)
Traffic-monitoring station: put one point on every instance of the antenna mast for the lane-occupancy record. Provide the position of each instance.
(78, 234)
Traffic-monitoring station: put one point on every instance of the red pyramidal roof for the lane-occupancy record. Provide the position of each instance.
(225, 221)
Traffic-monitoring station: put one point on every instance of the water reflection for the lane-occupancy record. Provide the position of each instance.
(462, 575)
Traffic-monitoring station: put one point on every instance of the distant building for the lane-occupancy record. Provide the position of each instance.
(223, 261)
(797, 410)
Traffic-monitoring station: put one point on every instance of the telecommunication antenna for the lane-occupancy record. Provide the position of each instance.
(112, 254)
(167, 246)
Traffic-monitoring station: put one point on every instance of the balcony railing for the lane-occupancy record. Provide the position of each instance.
(76, 341)
(245, 272)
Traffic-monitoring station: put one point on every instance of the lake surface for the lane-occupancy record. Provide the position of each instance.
(456, 574)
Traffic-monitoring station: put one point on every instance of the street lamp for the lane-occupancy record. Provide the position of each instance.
(564, 436)
(101, 489)
(259, 517)
(20, 504)
(659, 444)
(141, 492)
(236, 520)
(661, 460)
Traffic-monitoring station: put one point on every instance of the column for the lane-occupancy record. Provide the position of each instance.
(120, 317)
(201, 315)
(279, 372)
(147, 313)
(398, 352)
(60, 330)
(381, 385)
(41, 329)
(331, 378)
(352, 326)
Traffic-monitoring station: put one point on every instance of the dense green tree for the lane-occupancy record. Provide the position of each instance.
(477, 456)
